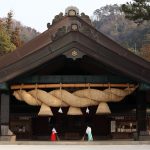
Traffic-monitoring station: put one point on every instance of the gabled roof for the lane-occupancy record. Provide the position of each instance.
(61, 37)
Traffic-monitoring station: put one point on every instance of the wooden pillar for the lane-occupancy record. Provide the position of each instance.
(0, 113)
(141, 112)
(148, 101)
(4, 111)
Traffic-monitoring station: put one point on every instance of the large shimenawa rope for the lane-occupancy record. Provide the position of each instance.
(80, 98)
(72, 99)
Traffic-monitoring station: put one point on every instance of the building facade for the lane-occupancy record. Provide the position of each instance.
(72, 76)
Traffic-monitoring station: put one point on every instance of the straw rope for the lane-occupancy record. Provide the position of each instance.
(81, 98)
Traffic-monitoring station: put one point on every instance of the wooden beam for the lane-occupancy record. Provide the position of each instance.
(86, 85)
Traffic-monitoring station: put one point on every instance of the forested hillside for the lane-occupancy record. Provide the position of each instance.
(13, 34)
(111, 21)
(26, 33)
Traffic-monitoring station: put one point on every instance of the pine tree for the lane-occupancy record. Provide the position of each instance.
(138, 10)
(9, 22)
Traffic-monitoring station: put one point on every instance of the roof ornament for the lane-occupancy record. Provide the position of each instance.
(74, 27)
(72, 11)
(86, 18)
(48, 25)
(57, 18)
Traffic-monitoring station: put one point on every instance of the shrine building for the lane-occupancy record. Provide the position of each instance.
(72, 76)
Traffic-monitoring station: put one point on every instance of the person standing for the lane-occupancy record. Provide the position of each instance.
(53, 136)
(89, 133)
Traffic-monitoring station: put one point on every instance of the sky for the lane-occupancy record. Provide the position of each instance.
(37, 13)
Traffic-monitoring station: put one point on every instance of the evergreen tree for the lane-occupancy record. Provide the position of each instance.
(10, 36)
(9, 22)
(5, 42)
(15, 38)
(138, 10)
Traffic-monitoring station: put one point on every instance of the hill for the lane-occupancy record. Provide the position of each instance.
(26, 33)
(111, 21)
(13, 34)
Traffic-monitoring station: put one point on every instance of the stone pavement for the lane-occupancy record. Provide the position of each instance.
(74, 147)
(100, 145)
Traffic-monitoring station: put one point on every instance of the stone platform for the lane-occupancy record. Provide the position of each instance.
(75, 145)
(111, 142)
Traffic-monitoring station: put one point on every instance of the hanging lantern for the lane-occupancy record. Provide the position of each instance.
(74, 111)
(103, 108)
(45, 111)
